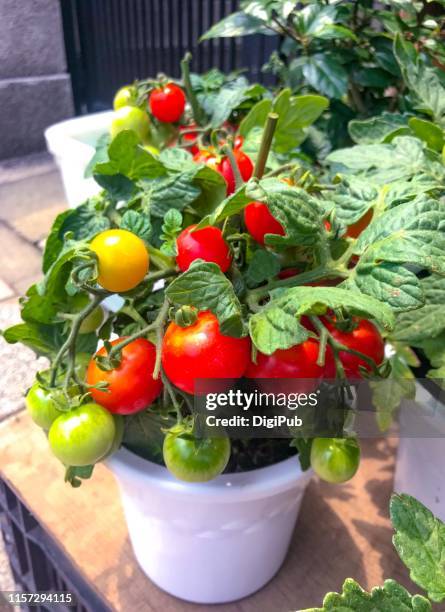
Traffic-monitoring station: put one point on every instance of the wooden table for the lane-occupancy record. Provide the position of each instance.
(343, 531)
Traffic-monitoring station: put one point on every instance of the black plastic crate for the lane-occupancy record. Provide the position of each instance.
(37, 563)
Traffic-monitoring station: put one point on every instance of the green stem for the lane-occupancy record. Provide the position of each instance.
(160, 274)
(196, 109)
(171, 393)
(158, 323)
(236, 173)
(161, 261)
(70, 343)
(319, 273)
(266, 141)
(278, 171)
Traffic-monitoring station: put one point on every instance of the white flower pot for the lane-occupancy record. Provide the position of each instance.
(420, 463)
(213, 542)
(73, 143)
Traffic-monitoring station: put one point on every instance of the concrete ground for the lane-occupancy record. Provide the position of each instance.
(31, 195)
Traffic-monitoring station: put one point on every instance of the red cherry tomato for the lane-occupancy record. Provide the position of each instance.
(244, 164)
(131, 386)
(366, 338)
(357, 228)
(259, 221)
(190, 137)
(299, 361)
(207, 244)
(209, 158)
(167, 103)
(288, 273)
(202, 351)
(238, 142)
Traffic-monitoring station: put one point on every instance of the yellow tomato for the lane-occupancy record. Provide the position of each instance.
(131, 118)
(122, 259)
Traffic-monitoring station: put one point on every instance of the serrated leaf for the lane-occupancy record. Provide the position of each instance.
(413, 232)
(352, 198)
(205, 287)
(420, 542)
(392, 597)
(176, 159)
(127, 157)
(388, 282)
(170, 229)
(230, 96)
(54, 242)
(264, 265)
(85, 221)
(376, 129)
(137, 223)
(427, 322)
(299, 213)
(175, 191)
(42, 339)
(277, 325)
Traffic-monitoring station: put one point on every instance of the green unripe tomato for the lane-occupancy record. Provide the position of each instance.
(82, 436)
(125, 96)
(131, 118)
(192, 459)
(93, 320)
(335, 459)
(41, 406)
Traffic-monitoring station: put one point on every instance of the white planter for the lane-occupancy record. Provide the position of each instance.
(72, 143)
(213, 542)
(420, 460)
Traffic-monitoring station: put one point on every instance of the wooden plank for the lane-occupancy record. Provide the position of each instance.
(342, 531)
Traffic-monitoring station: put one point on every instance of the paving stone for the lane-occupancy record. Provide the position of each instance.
(19, 168)
(31, 194)
(5, 291)
(35, 226)
(19, 365)
(20, 261)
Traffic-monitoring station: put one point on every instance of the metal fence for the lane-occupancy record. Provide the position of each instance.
(112, 42)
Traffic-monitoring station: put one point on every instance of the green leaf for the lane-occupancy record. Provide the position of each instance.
(384, 55)
(277, 325)
(129, 158)
(137, 223)
(100, 156)
(230, 96)
(307, 109)
(42, 339)
(428, 132)
(420, 542)
(376, 129)
(312, 20)
(263, 266)
(175, 191)
(118, 186)
(54, 242)
(388, 282)
(392, 597)
(170, 229)
(144, 434)
(85, 221)
(256, 117)
(205, 287)
(299, 213)
(413, 232)
(176, 159)
(427, 322)
(237, 24)
(326, 75)
(75, 474)
(231, 205)
(303, 446)
(352, 198)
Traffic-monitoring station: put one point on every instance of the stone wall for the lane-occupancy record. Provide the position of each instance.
(35, 89)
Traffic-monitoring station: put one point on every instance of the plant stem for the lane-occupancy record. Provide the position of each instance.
(157, 323)
(161, 261)
(161, 274)
(321, 272)
(236, 173)
(196, 109)
(279, 170)
(70, 342)
(266, 141)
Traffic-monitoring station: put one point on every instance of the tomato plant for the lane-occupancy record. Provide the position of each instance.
(201, 351)
(345, 270)
(207, 244)
(122, 259)
(167, 103)
(83, 435)
(335, 459)
(194, 459)
(131, 386)
(125, 96)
